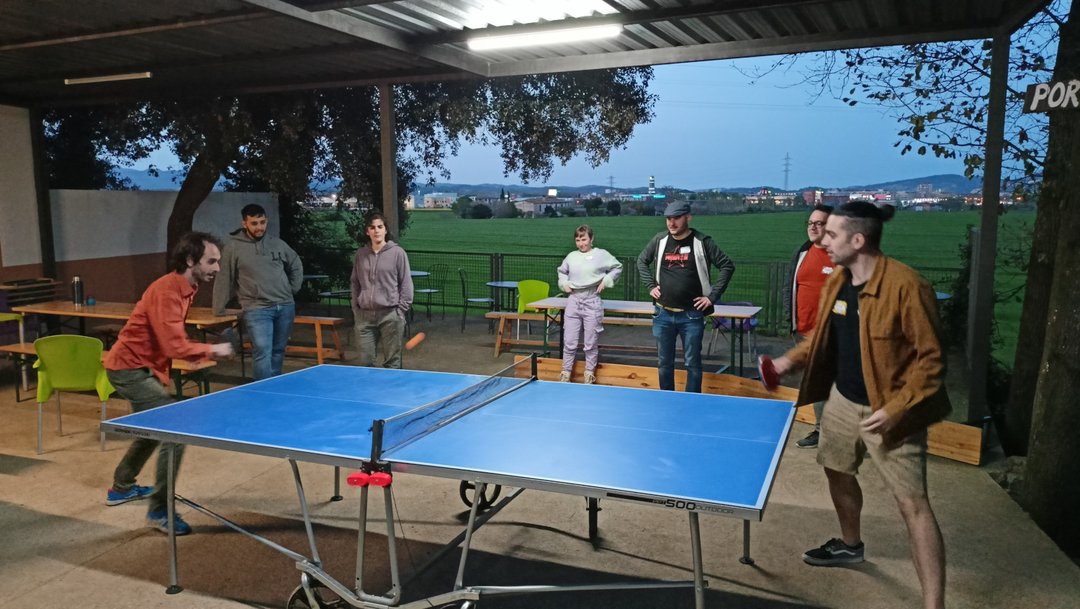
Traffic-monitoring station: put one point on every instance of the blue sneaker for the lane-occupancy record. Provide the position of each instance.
(160, 521)
(136, 492)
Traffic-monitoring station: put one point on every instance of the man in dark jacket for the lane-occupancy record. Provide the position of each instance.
(674, 266)
(263, 273)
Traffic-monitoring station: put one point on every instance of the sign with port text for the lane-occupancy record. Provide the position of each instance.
(1047, 96)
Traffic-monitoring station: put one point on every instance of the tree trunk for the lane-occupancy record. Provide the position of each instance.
(1051, 485)
(198, 183)
(1016, 420)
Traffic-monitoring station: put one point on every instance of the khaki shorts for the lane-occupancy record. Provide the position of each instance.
(843, 445)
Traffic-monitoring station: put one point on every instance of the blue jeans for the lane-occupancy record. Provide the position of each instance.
(140, 387)
(688, 326)
(268, 329)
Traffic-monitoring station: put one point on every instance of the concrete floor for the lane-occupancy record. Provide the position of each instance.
(61, 546)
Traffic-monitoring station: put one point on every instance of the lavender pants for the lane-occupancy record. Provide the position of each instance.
(584, 312)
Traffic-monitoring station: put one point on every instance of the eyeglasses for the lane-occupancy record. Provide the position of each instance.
(815, 224)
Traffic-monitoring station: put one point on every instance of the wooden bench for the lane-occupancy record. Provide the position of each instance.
(947, 439)
(182, 371)
(504, 336)
(320, 323)
(320, 350)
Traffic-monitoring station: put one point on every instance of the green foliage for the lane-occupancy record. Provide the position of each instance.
(535, 120)
(81, 144)
(614, 208)
(592, 206)
(461, 207)
(479, 211)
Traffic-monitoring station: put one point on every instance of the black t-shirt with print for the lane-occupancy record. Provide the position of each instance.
(844, 324)
(679, 282)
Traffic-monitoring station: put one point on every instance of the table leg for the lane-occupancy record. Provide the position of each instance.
(746, 559)
(23, 372)
(699, 570)
(170, 502)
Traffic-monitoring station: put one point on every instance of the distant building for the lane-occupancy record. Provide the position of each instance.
(440, 199)
(836, 198)
(537, 206)
(410, 201)
(782, 199)
(813, 197)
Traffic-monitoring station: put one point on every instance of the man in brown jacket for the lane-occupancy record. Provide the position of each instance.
(876, 357)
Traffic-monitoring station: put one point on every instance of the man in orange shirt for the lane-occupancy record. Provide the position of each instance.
(138, 366)
(810, 267)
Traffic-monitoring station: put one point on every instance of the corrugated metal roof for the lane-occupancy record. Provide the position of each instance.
(200, 47)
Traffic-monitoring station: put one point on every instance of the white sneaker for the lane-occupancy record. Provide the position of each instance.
(564, 377)
(590, 378)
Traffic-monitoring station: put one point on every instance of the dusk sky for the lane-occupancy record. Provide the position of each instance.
(713, 128)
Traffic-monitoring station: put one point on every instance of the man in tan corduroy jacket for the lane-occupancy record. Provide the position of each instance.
(876, 357)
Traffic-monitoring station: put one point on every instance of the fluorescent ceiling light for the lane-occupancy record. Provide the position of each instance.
(109, 78)
(543, 38)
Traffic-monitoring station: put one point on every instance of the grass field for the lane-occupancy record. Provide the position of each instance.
(918, 239)
(921, 239)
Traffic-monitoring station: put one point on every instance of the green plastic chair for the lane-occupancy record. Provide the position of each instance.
(531, 290)
(69, 362)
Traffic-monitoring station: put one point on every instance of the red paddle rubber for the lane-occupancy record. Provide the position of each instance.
(767, 373)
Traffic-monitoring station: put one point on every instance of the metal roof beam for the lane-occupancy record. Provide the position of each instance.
(345, 24)
(1022, 15)
(643, 17)
(733, 50)
(147, 28)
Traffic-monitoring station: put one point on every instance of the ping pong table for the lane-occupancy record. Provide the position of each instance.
(690, 453)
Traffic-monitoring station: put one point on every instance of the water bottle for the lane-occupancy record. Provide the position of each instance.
(77, 290)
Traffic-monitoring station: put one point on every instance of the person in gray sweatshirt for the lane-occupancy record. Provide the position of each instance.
(263, 273)
(382, 293)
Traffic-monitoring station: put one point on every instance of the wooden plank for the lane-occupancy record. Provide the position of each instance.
(321, 352)
(177, 364)
(646, 377)
(947, 439)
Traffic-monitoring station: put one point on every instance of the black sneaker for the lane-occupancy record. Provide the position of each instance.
(834, 552)
(810, 441)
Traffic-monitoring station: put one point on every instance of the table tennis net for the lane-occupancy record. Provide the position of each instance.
(402, 429)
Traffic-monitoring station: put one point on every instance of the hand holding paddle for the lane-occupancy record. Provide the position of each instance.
(767, 373)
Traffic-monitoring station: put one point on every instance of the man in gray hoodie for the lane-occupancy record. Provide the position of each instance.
(263, 273)
(382, 293)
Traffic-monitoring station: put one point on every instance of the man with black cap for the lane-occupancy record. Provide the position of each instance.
(674, 266)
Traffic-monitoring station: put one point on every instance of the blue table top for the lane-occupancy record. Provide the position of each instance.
(651, 445)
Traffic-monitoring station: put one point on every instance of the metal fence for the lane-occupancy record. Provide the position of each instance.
(757, 282)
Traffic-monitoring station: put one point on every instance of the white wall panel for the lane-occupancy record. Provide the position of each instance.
(20, 241)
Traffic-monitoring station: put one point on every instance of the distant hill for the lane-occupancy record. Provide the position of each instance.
(949, 182)
(170, 180)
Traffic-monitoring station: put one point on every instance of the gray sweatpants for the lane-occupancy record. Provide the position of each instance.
(140, 387)
(584, 316)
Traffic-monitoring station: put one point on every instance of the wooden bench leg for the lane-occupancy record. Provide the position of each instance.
(318, 343)
(337, 342)
(499, 336)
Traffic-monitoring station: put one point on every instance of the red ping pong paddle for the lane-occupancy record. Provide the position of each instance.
(767, 373)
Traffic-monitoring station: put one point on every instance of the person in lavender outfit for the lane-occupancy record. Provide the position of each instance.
(583, 275)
